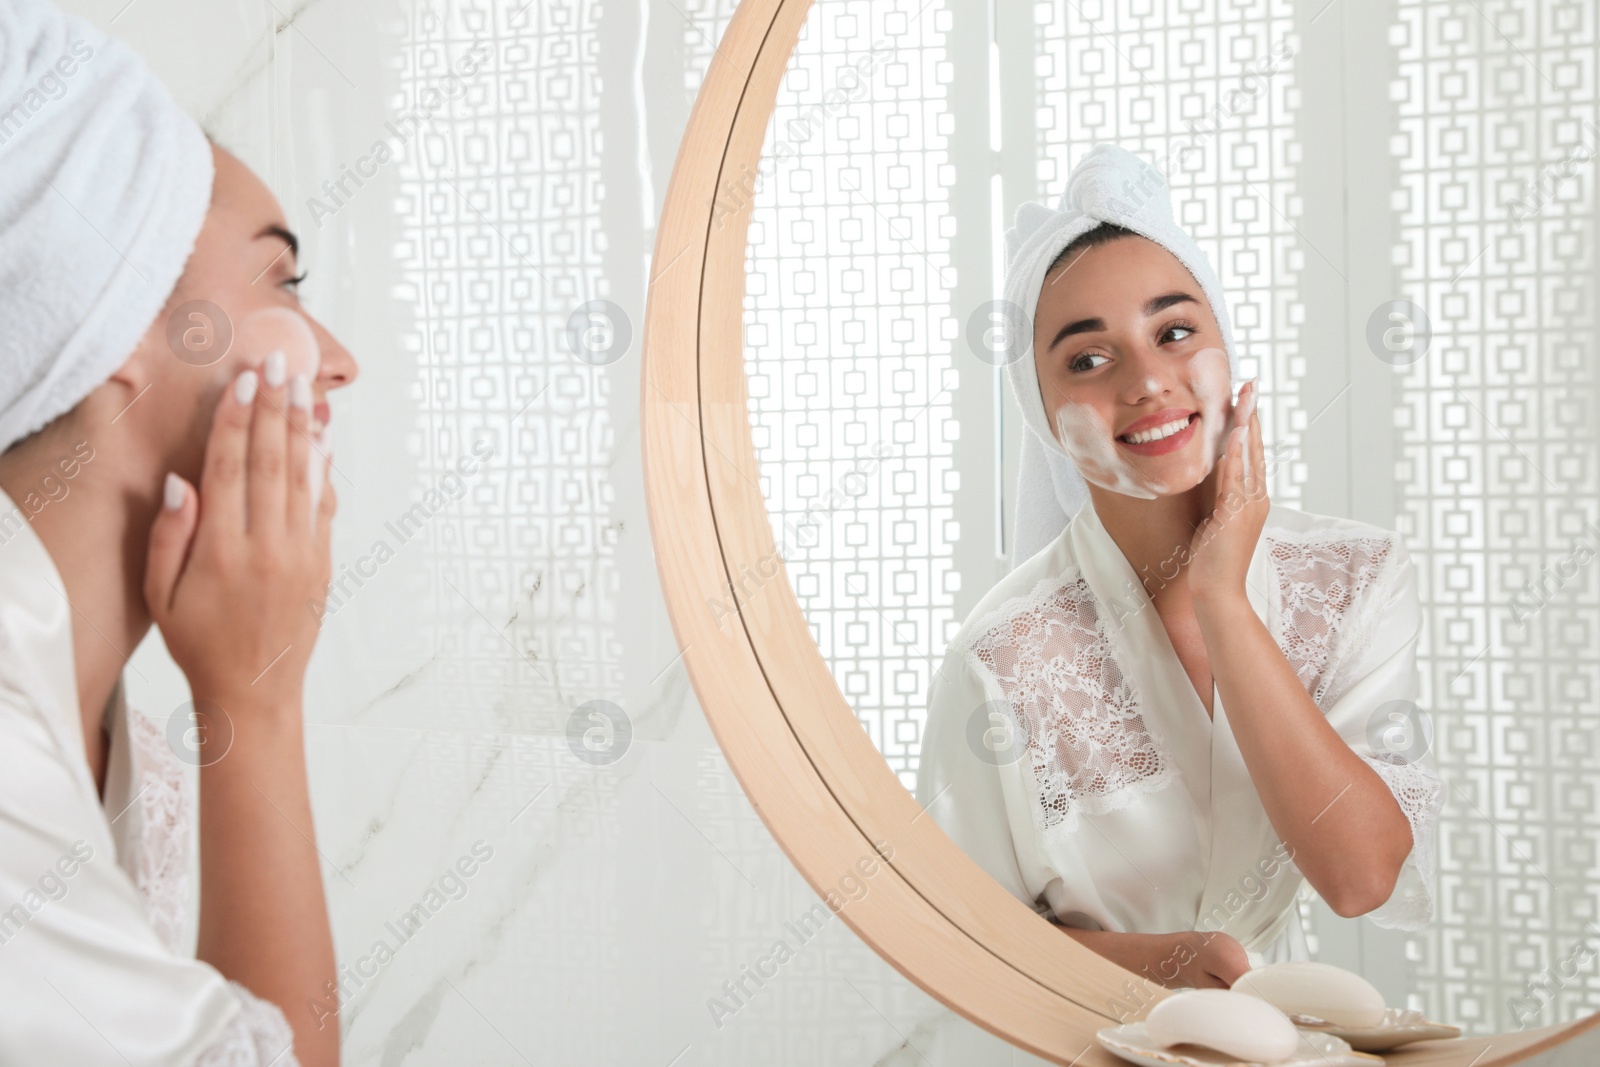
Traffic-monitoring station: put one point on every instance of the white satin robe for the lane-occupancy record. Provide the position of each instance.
(1106, 797)
(98, 900)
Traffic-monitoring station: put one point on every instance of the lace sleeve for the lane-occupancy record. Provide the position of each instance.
(155, 828)
(257, 1036)
(1420, 793)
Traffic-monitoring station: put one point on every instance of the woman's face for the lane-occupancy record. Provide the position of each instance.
(1131, 367)
(242, 278)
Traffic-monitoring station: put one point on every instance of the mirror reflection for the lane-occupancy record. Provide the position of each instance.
(1197, 517)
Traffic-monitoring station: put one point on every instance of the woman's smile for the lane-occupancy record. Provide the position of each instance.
(1156, 435)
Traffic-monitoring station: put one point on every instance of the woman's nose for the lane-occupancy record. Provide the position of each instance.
(1147, 372)
(339, 367)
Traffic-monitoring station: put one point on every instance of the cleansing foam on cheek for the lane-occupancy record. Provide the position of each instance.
(1210, 380)
(1088, 440)
(281, 329)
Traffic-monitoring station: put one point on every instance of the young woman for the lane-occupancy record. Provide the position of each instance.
(147, 481)
(1184, 700)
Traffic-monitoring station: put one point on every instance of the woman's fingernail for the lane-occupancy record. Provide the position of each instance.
(172, 494)
(300, 392)
(277, 364)
(244, 389)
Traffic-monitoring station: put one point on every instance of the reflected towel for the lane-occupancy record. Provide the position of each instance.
(1110, 184)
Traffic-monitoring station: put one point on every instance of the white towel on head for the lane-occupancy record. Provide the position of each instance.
(104, 184)
(1110, 184)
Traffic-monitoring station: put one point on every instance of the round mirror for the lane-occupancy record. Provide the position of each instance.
(842, 209)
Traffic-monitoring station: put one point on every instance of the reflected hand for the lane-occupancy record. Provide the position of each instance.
(1200, 960)
(1223, 543)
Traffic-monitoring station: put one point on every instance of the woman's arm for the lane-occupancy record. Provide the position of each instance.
(1187, 959)
(1347, 831)
(233, 580)
(263, 917)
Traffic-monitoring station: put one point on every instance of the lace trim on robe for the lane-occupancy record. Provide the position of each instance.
(160, 866)
(1420, 794)
(1077, 715)
(1326, 581)
(258, 1034)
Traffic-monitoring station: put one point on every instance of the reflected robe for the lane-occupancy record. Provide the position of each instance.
(1068, 753)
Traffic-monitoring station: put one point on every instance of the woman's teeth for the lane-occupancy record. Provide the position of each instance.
(1146, 436)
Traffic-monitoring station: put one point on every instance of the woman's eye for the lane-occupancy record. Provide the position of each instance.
(1078, 364)
(295, 282)
(1180, 326)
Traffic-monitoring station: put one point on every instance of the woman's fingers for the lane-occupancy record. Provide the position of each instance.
(1232, 473)
(170, 535)
(325, 509)
(222, 479)
(264, 497)
(298, 456)
(324, 530)
(1258, 462)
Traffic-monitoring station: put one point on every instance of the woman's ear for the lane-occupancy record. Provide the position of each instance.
(135, 373)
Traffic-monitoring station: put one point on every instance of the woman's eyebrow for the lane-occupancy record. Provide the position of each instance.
(274, 230)
(1153, 305)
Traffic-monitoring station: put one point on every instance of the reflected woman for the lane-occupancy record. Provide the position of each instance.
(1185, 699)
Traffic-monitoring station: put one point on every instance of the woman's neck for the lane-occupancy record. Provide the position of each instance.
(96, 529)
(1154, 534)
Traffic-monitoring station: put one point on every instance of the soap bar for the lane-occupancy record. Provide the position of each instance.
(1242, 1026)
(1341, 997)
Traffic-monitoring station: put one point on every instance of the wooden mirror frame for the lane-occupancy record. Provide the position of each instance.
(788, 733)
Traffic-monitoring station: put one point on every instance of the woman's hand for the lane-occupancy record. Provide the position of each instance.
(234, 576)
(1221, 547)
(1201, 960)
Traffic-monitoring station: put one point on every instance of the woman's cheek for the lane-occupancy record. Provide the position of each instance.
(283, 329)
(1088, 440)
(1211, 381)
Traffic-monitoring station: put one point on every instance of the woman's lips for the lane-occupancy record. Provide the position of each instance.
(1166, 444)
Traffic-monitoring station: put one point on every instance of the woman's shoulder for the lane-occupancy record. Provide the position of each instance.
(1287, 525)
(1035, 578)
(1323, 550)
